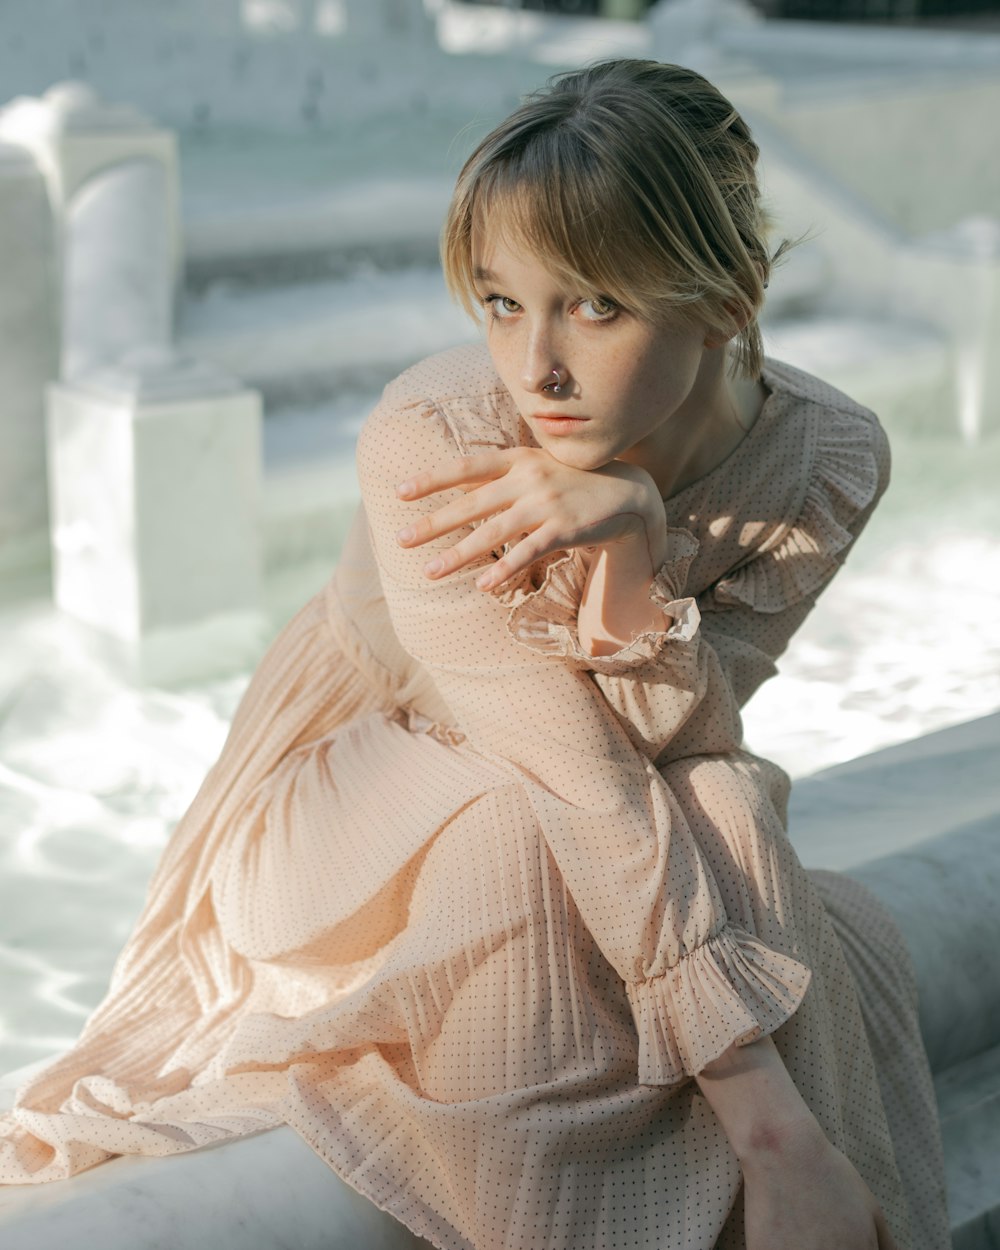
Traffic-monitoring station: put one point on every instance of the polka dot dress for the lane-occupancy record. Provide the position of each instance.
(468, 907)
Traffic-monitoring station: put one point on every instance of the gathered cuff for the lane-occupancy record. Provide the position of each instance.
(731, 989)
(543, 613)
(845, 481)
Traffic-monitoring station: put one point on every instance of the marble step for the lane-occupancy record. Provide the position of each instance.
(304, 342)
(919, 824)
(945, 895)
(270, 1191)
(273, 234)
(968, 1097)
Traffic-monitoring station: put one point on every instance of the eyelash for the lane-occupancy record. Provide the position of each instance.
(490, 302)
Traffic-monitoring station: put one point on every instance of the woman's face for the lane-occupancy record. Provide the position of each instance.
(625, 381)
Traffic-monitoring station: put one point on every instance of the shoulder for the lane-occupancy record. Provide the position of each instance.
(845, 434)
(457, 394)
(448, 405)
(845, 454)
(464, 372)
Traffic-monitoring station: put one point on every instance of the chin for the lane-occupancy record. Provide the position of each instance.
(586, 458)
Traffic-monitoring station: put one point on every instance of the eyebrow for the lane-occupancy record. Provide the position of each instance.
(479, 274)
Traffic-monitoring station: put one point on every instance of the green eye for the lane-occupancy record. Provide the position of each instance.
(501, 307)
(601, 308)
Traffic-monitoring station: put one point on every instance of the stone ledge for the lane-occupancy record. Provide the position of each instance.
(945, 896)
(969, 1103)
(269, 1190)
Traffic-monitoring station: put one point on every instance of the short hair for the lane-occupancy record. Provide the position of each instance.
(631, 179)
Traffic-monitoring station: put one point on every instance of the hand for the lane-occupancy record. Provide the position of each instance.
(539, 504)
(801, 1193)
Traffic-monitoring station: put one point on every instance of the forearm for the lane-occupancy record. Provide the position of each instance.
(615, 605)
(755, 1100)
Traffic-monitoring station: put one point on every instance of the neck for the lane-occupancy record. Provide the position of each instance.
(710, 424)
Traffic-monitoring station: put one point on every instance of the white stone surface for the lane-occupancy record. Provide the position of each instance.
(369, 326)
(269, 1190)
(113, 190)
(951, 278)
(118, 271)
(154, 469)
(28, 355)
(364, 213)
(894, 799)
(535, 37)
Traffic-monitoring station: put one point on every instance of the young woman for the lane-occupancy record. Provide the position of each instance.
(484, 896)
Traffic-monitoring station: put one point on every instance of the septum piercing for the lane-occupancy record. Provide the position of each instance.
(556, 387)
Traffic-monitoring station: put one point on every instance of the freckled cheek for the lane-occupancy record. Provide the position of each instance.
(506, 357)
(646, 399)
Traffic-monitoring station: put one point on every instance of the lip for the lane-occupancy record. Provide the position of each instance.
(556, 423)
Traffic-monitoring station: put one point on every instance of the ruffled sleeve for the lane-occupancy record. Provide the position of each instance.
(655, 682)
(849, 473)
(749, 616)
(543, 613)
(621, 840)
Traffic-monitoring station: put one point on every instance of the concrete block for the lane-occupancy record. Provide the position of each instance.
(154, 471)
(968, 1098)
(28, 354)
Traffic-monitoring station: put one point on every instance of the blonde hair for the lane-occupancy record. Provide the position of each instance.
(629, 179)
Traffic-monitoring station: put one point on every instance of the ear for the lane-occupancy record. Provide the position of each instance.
(740, 318)
(717, 338)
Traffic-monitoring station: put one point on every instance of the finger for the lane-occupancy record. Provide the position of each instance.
(484, 541)
(487, 501)
(483, 466)
(531, 547)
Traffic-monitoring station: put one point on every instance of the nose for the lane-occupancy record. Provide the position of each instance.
(541, 366)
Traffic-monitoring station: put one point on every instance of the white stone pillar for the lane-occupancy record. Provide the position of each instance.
(28, 357)
(114, 192)
(154, 473)
(951, 280)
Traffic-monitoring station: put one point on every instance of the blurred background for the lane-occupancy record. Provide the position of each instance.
(218, 241)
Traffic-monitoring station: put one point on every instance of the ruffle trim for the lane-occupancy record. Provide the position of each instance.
(844, 481)
(472, 425)
(543, 614)
(731, 989)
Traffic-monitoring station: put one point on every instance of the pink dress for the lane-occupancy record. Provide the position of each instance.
(467, 907)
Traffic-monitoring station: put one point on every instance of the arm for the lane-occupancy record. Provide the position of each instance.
(748, 618)
(799, 1189)
(622, 843)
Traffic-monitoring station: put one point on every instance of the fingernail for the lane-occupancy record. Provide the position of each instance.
(484, 580)
(406, 533)
(434, 566)
(404, 488)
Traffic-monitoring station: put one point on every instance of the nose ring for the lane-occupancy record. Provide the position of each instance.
(555, 387)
